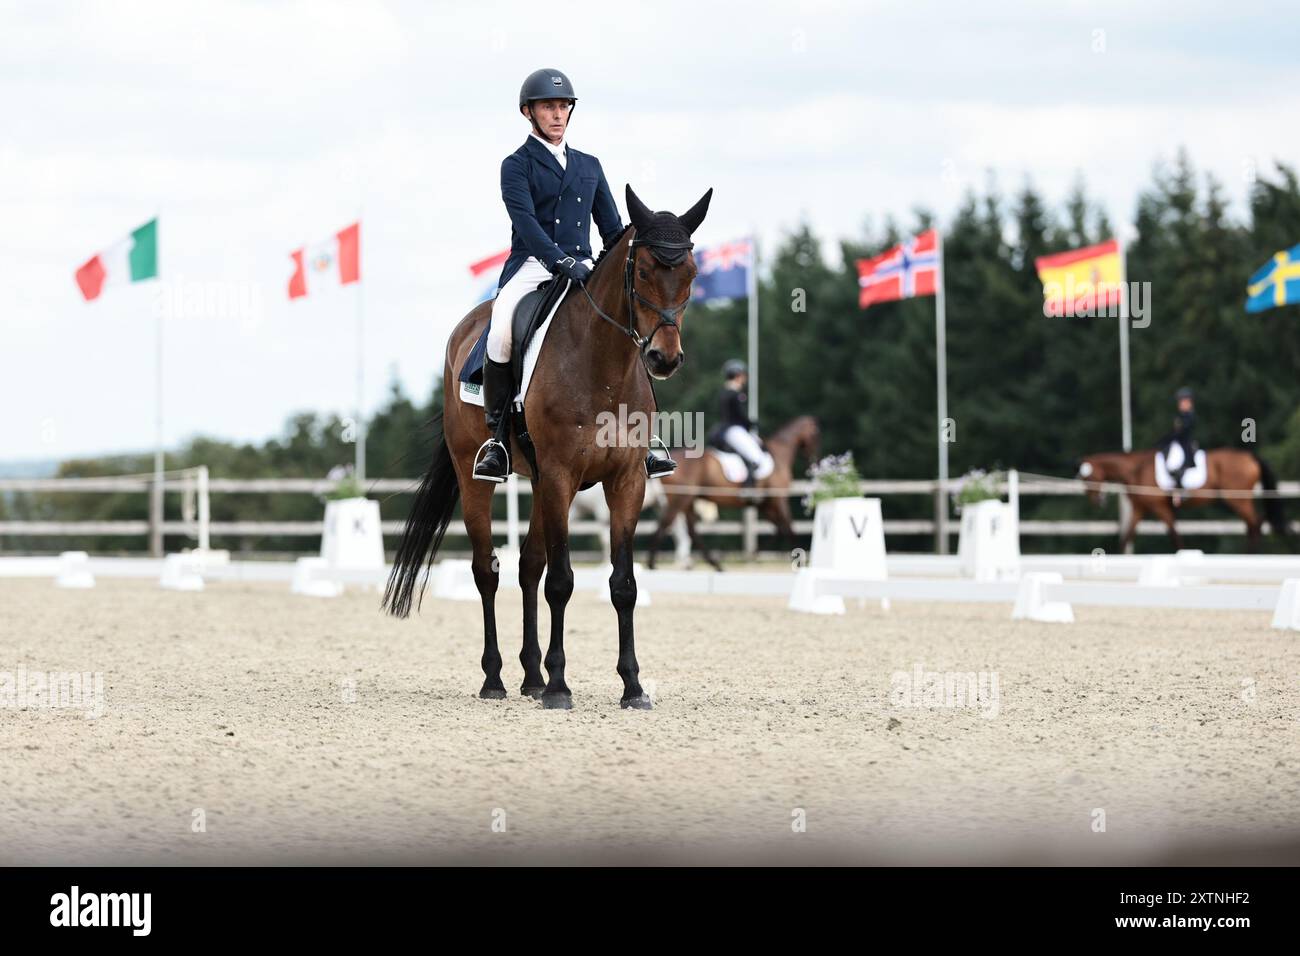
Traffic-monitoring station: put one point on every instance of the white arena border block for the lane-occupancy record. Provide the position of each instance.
(74, 570)
(311, 579)
(848, 545)
(184, 571)
(1286, 615)
(1185, 567)
(1032, 603)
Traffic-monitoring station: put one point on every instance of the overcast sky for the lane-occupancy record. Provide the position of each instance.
(251, 128)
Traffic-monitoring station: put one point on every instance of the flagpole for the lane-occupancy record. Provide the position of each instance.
(941, 376)
(751, 292)
(1126, 407)
(750, 526)
(1125, 387)
(360, 467)
(156, 495)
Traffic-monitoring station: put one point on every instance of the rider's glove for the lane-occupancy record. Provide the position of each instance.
(573, 269)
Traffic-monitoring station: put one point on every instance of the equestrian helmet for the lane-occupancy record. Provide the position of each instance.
(546, 85)
(733, 368)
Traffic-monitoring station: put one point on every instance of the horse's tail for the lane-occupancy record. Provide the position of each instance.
(1272, 504)
(435, 500)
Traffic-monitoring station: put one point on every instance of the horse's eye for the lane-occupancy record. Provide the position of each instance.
(642, 274)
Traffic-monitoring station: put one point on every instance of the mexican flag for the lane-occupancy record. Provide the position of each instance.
(134, 259)
(334, 262)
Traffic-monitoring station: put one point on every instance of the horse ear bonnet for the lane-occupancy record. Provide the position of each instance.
(653, 228)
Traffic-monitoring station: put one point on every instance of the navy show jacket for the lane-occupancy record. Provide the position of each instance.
(552, 206)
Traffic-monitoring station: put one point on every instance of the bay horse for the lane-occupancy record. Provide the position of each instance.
(606, 340)
(702, 479)
(1230, 470)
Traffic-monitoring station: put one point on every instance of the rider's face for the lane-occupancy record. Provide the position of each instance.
(1184, 404)
(551, 117)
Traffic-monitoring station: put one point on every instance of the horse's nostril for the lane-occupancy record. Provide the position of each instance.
(655, 356)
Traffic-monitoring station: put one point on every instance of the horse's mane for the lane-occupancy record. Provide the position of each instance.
(785, 432)
(608, 246)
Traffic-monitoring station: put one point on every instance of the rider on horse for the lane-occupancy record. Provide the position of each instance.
(735, 432)
(1183, 435)
(552, 193)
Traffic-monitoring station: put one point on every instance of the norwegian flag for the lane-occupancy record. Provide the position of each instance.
(722, 272)
(904, 271)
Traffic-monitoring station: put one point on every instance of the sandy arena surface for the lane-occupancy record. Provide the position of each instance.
(310, 730)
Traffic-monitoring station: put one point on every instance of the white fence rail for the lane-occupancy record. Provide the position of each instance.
(749, 528)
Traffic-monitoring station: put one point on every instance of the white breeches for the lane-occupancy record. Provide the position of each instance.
(744, 444)
(530, 275)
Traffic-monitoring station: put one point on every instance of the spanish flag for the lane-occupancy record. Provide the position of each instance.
(1275, 283)
(1082, 281)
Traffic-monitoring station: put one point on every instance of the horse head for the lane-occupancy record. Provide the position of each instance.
(1093, 470)
(660, 270)
(807, 436)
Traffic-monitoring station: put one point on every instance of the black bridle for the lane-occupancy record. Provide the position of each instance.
(666, 316)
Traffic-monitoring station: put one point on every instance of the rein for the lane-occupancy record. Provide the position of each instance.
(667, 317)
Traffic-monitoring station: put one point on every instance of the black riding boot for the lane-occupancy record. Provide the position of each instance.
(498, 389)
(1177, 476)
(656, 467)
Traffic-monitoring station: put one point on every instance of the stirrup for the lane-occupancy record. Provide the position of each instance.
(665, 463)
(478, 456)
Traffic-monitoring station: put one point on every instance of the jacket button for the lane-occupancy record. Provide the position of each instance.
(557, 222)
(579, 199)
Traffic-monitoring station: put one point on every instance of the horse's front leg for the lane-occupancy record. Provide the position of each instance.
(624, 498)
(1136, 512)
(532, 561)
(555, 500)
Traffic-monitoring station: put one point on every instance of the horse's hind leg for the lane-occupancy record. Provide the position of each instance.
(668, 514)
(698, 541)
(1245, 509)
(477, 508)
(1165, 512)
(532, 561)
(624, 498)
(777, 510)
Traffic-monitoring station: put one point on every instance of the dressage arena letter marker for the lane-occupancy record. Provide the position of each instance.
(848, 544)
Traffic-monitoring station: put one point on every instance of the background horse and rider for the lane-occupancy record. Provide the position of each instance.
(602, 348)
(1231, 477)
(702, 479)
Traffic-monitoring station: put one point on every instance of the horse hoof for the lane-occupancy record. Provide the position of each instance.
(636, 703)
(557, 701)
(534, 692)
(493, 693)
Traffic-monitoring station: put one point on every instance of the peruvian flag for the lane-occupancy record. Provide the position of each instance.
(134, 259)
(901, 273)
(334, 262)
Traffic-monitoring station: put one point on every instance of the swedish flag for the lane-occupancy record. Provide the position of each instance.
(1276, 283)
